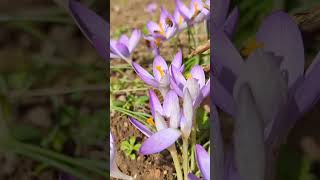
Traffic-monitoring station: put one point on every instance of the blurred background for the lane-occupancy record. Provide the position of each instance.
(299, 158)
(53, 95)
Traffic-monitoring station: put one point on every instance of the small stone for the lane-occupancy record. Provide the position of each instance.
(165, 172)
(125, 124)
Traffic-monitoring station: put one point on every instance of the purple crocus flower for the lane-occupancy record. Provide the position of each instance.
(114, 170)
(165, 29)
(151, 7)
(153, 44)
(291, 92)
(168, 118)
(179, 19)
(196, 12)
(92, 26)
(203, 160)
(161, 72)
(195, 83)
(124, 47)
(221, 19)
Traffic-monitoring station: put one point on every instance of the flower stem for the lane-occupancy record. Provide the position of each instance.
(174, 155)
(193, 143)
(185, 158)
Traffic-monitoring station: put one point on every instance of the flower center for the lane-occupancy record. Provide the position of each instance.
(158, 42)
(180, 20)
(251, 46)
(150, 121)
(162, 32)
(159, 68)
(189, 76)
(196, 10)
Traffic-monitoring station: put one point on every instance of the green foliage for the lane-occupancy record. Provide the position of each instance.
(130, 147)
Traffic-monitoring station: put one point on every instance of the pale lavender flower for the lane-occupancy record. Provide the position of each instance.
(165, 29)
(151, 7)
(195, 83)
(124, 47)
(161, 72)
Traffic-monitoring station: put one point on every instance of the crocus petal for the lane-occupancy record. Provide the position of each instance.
(113, 56)
(192, 177)
(171, 108)
(178, 77)
(177, 60)
(142, 128)
(248, 136)
(160, 141)
(175, 87)
(193, 87)
(203, 160)
(159, 67)
(120, 50)
(144, 75)
(280, 34)
(231, 23)
(204, 92)
(91, 25)
(218, 153)
(307, 94)
(222, 98)
(262, 72)
(100, 47)
(184, 10)
(198, 74)
(220, 13)
(153, 27)
(155, 104)
(134, 39)
(170, 29)
(226, 60)
(124, 39)
(160, 122)
(187, 113)
(123, 50)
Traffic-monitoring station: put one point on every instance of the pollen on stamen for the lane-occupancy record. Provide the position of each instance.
(159, 68)
(251, 46)
(188, 76)
(150, 121)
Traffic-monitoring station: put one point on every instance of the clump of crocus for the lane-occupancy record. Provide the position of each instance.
(114, 170)
(124, 47)
(170, 120)
(161, 72)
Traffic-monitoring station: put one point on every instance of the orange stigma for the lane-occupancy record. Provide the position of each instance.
(150, 121)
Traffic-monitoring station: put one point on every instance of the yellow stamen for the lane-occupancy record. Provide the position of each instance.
(161, 29)
(189, 76)
(180, 20)
(160, 71)
(150, 121)
(250, 46)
